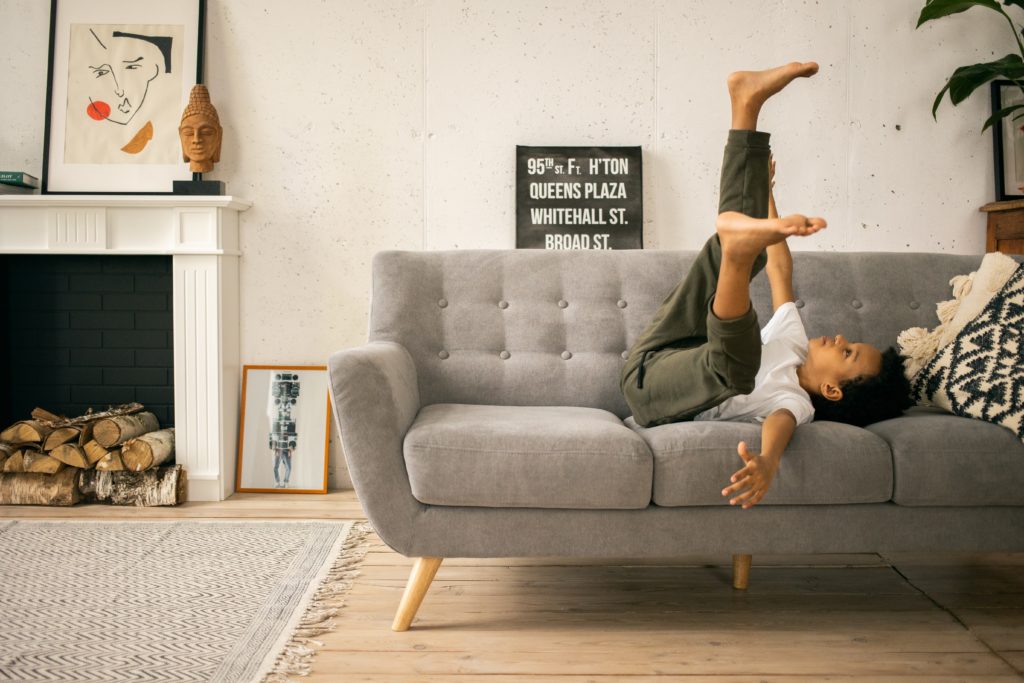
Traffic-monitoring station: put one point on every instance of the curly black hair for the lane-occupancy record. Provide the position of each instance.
(871, 399)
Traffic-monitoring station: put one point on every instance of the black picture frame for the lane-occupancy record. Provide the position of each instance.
(1000, 132)
(575, 197)
(50, 182)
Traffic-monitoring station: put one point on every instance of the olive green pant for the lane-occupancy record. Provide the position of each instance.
(687, 359)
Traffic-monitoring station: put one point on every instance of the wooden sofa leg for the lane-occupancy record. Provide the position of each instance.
(419, 581)
(740, 571)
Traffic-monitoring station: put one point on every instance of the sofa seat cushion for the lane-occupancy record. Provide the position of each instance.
(825, 463)
(944, 459)
(526, 456)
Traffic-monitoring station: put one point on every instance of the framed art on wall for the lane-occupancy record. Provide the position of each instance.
(579, 197)
(283, 435)
(1008, 141)
(119, 76)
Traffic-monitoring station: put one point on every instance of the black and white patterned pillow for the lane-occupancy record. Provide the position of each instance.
(980, 373)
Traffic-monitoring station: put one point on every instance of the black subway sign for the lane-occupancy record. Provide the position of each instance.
(579, 198)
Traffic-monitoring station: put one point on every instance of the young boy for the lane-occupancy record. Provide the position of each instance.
(703, 357)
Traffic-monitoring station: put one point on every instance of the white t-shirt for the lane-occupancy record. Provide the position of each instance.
(784, 348)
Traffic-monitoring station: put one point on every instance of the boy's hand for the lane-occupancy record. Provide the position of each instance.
(757, 474)
(771, 171)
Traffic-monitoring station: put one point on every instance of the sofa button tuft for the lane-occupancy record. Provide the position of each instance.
(562, 303)
(502, 304)
(799, 303)
(442, 354)
(625, 355)
(622, 303)
(856, 303)
(914, 305)
(442, 302)
(566, 355)
(504, 355)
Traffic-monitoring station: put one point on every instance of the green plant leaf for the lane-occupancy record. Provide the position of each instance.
(936, 9)
(1016, 3)
(999, 115)
(938, 99)
(966, 79)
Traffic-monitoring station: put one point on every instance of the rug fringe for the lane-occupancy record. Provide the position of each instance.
(297, 656)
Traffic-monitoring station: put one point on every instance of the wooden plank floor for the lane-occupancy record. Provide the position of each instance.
(856, 617)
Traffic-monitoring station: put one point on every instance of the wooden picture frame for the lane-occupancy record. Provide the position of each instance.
(1008, 141)
(118, 78)
(282, 425)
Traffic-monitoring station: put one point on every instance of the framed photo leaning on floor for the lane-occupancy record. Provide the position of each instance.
(284, 430)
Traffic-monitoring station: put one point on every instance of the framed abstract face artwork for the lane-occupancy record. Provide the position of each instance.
(119, 76)
(283, 434)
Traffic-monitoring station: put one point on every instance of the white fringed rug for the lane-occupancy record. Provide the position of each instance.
(181, 600)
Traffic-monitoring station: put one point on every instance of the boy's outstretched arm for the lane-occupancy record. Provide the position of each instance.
(780, 261)
(757, 474)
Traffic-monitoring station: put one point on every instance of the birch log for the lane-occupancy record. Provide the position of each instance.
(111, 462)
(13, 463)
(26, 431)
(45, 416)
(71, 454)
(85, 436)
(32, 488)
(61, 436)
(44, 463)
(55, 421)
(30, 457)
(94, 452)
(157, 486)
(148, 450)
(114, 431)
(6, 451)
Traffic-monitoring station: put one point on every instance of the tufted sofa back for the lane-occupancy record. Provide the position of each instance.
(536, 327)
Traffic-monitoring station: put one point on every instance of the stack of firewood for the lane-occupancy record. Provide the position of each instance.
(97, 446)
(113, 440)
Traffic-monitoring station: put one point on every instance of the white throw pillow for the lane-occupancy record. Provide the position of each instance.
(980, 373)
(971, 293)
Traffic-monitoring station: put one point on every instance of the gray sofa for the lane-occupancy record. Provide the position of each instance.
(483, 418)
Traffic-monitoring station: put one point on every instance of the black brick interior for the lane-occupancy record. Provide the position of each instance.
(86, 331)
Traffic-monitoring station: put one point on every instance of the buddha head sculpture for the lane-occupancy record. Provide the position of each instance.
(200, 131)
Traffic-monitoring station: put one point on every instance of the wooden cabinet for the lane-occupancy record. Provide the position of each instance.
(1005, 226)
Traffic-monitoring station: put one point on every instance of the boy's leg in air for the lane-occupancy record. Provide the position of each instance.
(703, 344)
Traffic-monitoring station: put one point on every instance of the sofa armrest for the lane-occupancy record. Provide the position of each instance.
(375, 398)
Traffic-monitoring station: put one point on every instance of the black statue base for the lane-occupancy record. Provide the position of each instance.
(207, 187)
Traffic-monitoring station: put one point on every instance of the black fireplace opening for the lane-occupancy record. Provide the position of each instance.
(86, 332)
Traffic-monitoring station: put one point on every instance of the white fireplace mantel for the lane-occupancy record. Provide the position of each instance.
(201, 236)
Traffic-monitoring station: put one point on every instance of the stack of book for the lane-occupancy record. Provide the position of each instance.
(18, 182)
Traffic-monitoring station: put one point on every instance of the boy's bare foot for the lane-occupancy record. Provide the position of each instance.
(748, 90)
(754, 87)
(745, 237)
